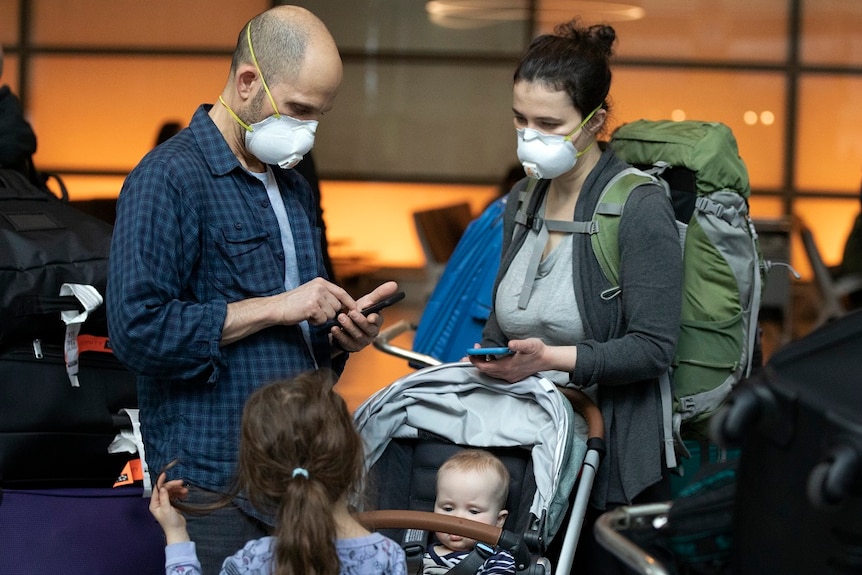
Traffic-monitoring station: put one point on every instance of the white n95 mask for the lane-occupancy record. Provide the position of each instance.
(281, 140)
(547, 156)
(277, 139)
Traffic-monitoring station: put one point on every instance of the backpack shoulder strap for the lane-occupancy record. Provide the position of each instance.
(607, 216)
(522, 216)
(530, 214)
(607, 250)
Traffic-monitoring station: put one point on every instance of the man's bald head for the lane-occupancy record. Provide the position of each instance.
(298, 74)
(281, 38)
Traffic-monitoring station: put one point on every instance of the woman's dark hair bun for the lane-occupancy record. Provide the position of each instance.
(600, 36)
(603, 36)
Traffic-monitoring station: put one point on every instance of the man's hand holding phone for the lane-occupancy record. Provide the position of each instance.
(373, 308)
(353, 329)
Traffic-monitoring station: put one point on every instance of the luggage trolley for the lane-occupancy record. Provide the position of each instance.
(797, 504)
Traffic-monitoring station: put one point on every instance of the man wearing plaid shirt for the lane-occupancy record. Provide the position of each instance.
(217, 284)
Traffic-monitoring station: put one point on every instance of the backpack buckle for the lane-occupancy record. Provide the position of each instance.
(534, 222)
(687, 406)
(528, 220)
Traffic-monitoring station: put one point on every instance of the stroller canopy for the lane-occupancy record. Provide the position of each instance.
(458, 403)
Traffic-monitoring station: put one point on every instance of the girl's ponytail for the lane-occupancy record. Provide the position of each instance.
(305, 533)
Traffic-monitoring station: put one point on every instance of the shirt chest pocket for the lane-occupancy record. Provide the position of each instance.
(243, 263)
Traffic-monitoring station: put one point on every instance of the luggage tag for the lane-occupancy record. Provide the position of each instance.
(131, 441)
(90, 299)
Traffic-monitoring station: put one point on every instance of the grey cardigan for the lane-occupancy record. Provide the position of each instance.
(631, 338)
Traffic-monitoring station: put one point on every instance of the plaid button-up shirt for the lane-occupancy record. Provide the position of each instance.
(195, 231)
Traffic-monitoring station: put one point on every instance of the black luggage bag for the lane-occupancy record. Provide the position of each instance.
(44, 243)
(53, 434)
(798, 506)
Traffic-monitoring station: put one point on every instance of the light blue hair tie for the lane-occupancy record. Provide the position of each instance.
(300, 471)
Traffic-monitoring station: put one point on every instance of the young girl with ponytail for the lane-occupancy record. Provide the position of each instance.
(299, 459)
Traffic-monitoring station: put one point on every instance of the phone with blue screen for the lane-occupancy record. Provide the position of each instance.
(490, 352)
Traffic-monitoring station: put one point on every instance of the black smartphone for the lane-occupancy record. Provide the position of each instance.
(373, 308)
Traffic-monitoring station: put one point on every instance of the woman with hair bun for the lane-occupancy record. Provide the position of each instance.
(300, 457)
(553, 305)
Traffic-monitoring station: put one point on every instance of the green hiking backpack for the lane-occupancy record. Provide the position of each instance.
(707, 181)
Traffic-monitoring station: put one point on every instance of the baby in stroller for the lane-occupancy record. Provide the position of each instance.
(413, 425)
(473, 484)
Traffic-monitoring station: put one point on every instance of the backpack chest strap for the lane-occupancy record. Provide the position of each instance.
(565, 227)
(609, 208)
(540, 240)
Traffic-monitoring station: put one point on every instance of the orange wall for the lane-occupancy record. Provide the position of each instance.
(374, 220)
(91, 127)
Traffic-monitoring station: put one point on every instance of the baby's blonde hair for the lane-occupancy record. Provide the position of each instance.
(480, 460)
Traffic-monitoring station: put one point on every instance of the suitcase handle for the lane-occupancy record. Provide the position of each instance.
(43, 305)
(121, 421)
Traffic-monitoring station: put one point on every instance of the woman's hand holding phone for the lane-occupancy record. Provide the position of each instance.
(489, 353)
(525, 357)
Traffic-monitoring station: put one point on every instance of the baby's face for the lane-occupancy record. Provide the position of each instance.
(467, 495)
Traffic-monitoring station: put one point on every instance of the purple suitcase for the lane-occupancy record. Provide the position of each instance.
(79, 531)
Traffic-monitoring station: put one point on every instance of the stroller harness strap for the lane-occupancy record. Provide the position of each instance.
(470, 564)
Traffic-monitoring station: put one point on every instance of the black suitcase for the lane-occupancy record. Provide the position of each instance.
(799, 422)
(44, 243)
(54, 434)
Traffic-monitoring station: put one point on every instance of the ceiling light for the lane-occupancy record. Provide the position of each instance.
(476, 13)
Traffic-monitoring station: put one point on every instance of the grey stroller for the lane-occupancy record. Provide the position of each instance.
(550, 438)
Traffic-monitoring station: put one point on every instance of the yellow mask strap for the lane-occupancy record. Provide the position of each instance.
(585, 150)
(584, 123)
(254, 59)
(235, 117)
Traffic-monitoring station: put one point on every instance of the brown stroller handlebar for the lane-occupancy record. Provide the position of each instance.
(428, 521)
(582, 403)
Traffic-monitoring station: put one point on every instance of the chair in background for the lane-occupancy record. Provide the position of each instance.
(833, 290)
(439, 230)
